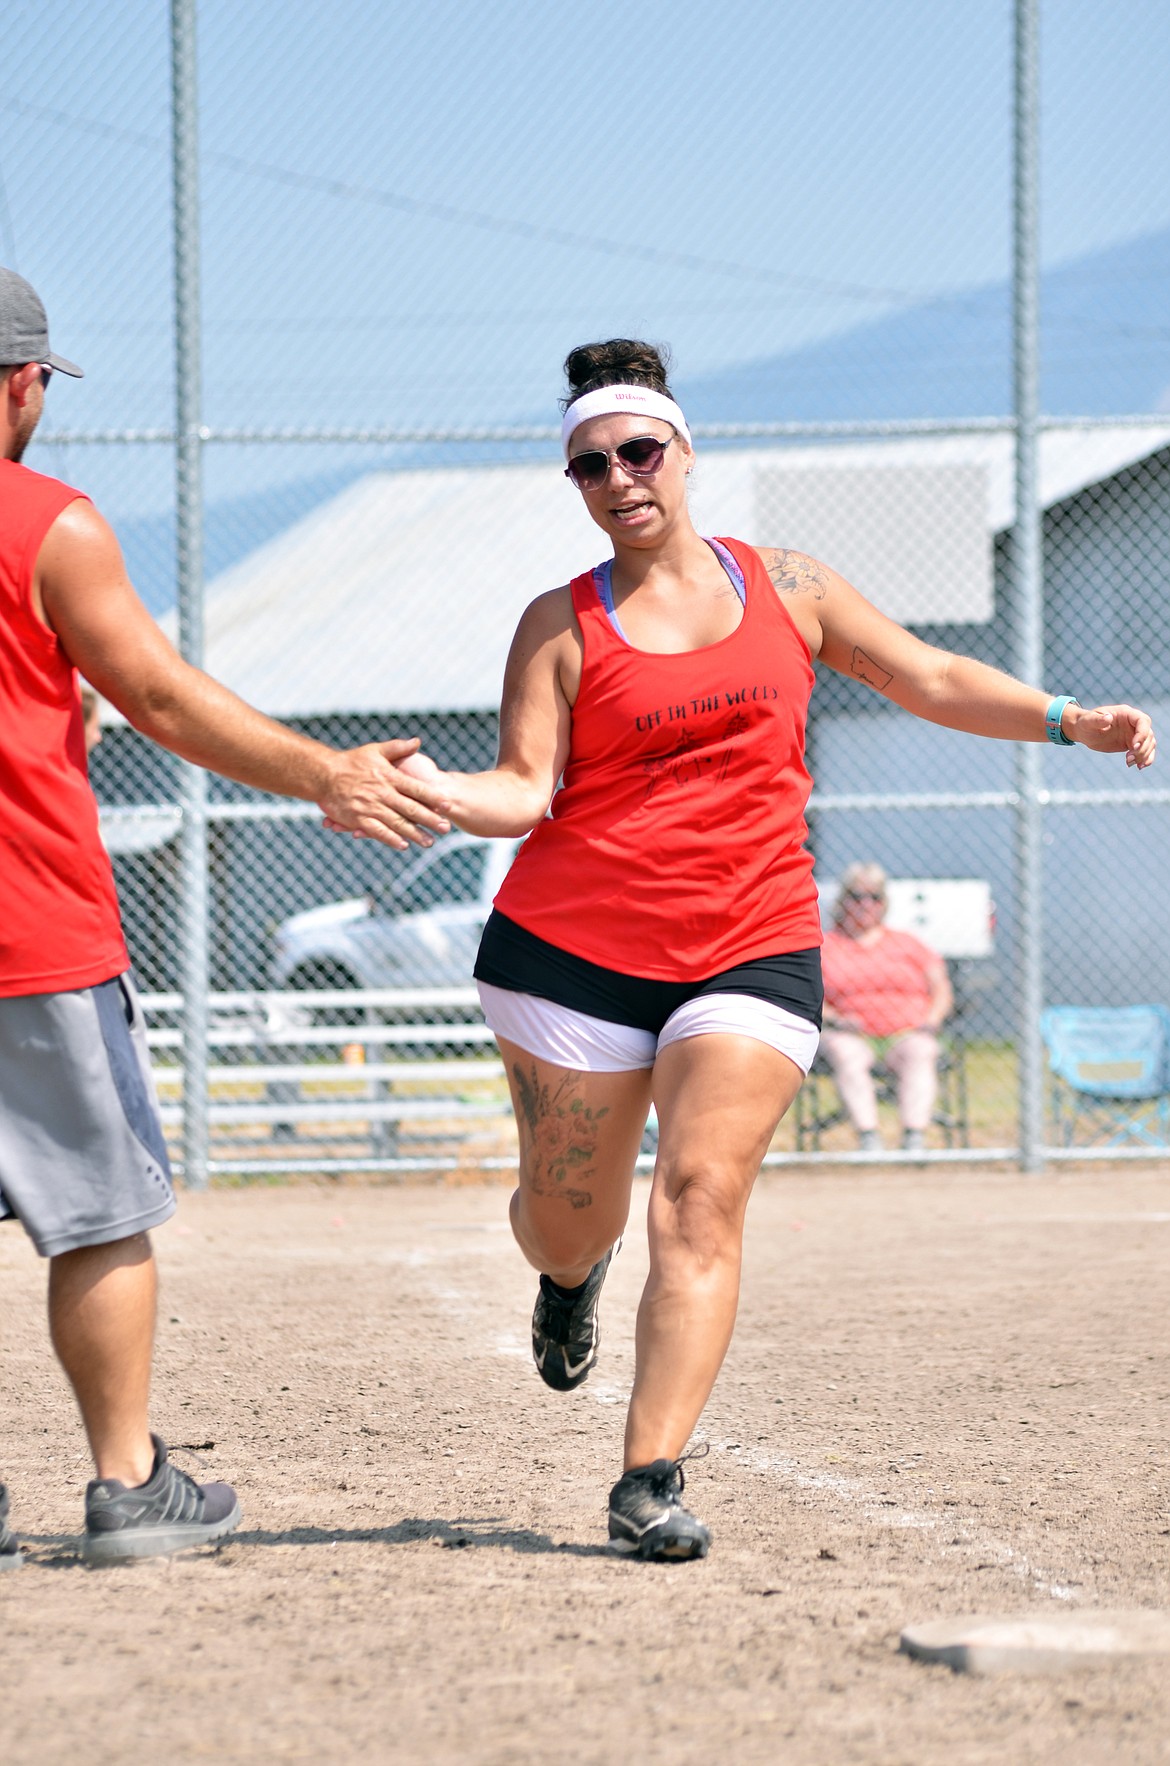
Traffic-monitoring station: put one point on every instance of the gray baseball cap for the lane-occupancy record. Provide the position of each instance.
(24, 328)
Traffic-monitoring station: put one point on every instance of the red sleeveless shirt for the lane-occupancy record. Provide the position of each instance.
(675, 847)
(59, 922)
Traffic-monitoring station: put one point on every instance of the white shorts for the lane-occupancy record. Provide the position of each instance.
(593, 1045)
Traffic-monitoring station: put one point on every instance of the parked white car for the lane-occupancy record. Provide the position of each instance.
(424, 934)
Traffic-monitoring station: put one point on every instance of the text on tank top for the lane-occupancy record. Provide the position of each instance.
(675, 846)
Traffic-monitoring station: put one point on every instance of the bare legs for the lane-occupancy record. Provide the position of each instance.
(718, 1099)
(579, 1137)
(851, 1058)
(912, 1058)
(101, 1317)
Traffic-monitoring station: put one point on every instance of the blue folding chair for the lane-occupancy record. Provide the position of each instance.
(1110, 1073)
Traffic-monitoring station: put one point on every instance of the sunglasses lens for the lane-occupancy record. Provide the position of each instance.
(589, 470)
(643, 455)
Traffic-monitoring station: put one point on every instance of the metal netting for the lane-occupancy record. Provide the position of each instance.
(406, 218)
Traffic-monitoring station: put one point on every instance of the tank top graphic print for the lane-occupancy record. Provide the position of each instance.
(675, 846)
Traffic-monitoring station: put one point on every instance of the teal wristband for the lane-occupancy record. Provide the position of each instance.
(1052, 719)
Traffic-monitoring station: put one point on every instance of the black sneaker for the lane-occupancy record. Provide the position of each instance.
(169, 1513)
(565, 1332)
(647, 1518)
(11, 1556)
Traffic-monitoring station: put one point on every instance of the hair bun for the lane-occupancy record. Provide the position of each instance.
(617, 362)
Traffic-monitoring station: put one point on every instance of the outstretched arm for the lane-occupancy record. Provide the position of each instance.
(849, 634)
(82, 593)
(535, 718)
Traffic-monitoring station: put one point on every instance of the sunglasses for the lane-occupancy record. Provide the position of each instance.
(46, 375)
(863, 895)
(642, 455)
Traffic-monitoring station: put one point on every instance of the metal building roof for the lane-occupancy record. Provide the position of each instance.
(402, 592)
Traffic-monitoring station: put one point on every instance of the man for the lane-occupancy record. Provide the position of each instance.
(83, 1164)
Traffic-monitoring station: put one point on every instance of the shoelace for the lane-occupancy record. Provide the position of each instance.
(663, 1482)
(559, 1313)
(184, 1500)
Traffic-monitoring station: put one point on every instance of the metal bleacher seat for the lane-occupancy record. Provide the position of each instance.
(1109, 1069)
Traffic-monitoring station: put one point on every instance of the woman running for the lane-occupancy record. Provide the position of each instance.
(657, 938)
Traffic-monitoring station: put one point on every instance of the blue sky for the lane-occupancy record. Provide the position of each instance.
(410, 213)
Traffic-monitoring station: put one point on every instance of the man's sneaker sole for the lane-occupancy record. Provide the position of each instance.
(160, 1539)
(11, 1560)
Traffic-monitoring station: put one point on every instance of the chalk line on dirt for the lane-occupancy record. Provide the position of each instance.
(856, 1493)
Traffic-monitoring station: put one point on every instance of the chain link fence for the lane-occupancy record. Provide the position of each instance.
(406, 219)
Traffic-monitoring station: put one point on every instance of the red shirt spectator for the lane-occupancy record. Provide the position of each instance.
(886, 994)
(884, 986)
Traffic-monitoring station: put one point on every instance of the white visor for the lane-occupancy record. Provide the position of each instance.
(640, 401)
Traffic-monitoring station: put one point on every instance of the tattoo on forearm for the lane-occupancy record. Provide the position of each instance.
(795, 573)
(867, 670)
(560, 1134)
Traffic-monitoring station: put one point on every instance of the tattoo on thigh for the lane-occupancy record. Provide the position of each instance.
(560, 1132)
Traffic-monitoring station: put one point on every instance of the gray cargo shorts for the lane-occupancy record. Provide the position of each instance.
(82, 1155)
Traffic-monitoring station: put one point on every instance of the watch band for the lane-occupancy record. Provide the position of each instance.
(1052, 719)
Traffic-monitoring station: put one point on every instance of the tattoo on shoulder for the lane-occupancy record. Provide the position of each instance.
(867, 670)
(795, 573)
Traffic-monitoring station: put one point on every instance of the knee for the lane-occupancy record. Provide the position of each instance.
(696, 1216)
(919, 1049)
(565, 1237)
(89, 1264)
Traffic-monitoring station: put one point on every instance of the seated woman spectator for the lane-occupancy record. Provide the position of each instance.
(886, 994)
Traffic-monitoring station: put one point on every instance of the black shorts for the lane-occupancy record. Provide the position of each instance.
(517, 960)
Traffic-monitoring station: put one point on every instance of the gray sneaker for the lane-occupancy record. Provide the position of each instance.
(169, 1513)
(11, 1556)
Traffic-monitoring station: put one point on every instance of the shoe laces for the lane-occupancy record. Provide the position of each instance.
(664, 1481)
(558, 1311)
(562, 1307)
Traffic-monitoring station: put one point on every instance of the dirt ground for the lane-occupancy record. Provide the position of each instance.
(948, 1393)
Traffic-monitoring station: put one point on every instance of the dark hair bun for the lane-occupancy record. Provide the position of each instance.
(622, 361)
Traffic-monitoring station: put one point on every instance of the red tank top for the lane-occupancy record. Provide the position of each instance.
(59, 924)
(675, 847)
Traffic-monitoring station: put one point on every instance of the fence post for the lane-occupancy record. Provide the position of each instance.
(1028, 574)
(189, 523)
